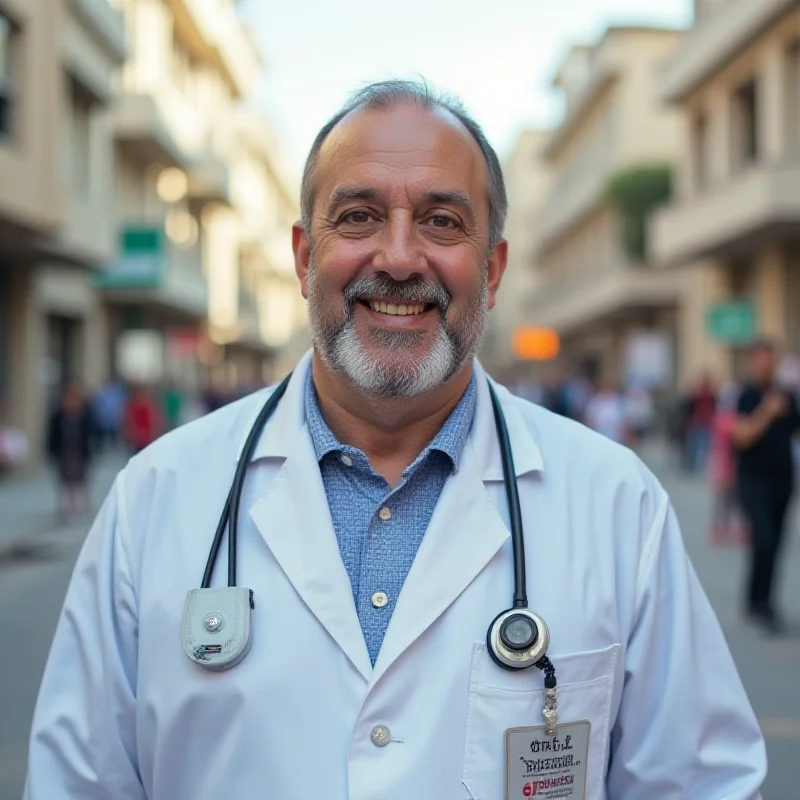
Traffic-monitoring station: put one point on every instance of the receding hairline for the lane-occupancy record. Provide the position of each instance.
(434, 108)
(385, 95)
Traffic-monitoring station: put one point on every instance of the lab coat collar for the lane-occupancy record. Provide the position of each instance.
(527, 456)
(280, 434)
(296, 498)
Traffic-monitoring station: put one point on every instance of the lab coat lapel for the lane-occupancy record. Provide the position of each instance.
(463, 536)
(295, 522)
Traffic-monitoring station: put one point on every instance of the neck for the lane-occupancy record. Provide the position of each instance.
(390, 431)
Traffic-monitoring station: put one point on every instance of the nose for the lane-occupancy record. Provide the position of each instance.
(399, 253)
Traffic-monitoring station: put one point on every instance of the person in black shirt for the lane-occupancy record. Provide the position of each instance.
(768, 418)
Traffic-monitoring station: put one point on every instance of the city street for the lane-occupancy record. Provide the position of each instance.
(33, 579)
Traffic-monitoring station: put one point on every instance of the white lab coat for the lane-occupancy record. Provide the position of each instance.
(124, 714)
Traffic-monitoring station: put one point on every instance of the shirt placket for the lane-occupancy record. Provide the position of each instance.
(377, 591)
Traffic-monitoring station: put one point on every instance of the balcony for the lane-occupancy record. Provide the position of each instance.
(219, 37)
(568, 306)
(715, 41)
(568, 208)
(209, 181)
(140, 125)
(593, 93)
(763, 200)
(106, 24)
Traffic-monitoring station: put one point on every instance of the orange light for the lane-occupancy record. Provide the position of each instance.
(535, 344)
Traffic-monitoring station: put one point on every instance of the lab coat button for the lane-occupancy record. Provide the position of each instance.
(380, 599)
(381, 736)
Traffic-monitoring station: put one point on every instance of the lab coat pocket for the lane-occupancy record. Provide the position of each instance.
(500, 699)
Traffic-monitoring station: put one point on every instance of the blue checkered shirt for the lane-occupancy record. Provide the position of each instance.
(379, 529)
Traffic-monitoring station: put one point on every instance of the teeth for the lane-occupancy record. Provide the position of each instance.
(395, 310)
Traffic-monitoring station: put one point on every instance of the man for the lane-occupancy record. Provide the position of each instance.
(374, 535)
(768, 419)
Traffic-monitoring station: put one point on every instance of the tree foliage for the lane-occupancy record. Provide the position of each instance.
(635, 193)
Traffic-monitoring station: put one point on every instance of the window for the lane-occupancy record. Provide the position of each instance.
(700, 151)
(793, 104)
(81, 106)
(8, 44)
(745, 121)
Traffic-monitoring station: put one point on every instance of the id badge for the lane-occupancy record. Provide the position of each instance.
(547, 767)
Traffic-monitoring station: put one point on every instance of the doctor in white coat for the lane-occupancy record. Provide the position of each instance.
(374, 534)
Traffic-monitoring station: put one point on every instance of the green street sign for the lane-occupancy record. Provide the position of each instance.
(140, 263)
(732, 323)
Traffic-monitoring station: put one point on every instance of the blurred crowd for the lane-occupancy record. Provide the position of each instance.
(625, 415)
(742, 437)
(119, 416)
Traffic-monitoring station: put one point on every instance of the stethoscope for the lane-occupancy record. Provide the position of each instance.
(217, 633)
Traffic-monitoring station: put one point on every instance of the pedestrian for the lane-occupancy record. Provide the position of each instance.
(108, 410)
(726, 523)
(768, 420)
(69, 444)
(143, 422)
(172, 402)
(702, 407)
(376, 635)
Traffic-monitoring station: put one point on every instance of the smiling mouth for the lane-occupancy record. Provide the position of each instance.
(397, 309)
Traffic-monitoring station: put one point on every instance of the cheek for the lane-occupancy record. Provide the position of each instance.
(336, 271)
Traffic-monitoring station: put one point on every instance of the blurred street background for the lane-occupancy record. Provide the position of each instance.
(150, 154)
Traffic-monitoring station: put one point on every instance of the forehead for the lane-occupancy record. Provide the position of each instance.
(405, 150)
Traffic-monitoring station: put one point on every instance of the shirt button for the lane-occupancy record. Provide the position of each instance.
(381, 736)
(385, 513)
(347, 461)
(380, 599)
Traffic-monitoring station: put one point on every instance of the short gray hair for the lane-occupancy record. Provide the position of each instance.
(385, 95)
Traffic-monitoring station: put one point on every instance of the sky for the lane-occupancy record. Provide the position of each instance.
(498, 56)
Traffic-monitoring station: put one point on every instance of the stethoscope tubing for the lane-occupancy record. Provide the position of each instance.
(230, 513)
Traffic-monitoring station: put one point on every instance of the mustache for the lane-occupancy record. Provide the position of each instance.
(384, 287)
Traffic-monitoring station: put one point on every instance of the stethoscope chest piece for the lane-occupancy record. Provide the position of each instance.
(517, 639)
(217, 631)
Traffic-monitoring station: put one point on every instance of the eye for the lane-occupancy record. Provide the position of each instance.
(441, 221)
(357, 217)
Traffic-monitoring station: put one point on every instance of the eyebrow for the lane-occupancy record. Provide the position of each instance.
(446, 197)
(451, 197)
(344, 194)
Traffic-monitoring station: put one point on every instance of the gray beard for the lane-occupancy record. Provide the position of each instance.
(338, 345)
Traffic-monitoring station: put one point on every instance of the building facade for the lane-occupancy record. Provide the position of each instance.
(145, 222)
(527, 181)
(172, 288)
(605, 301)
(57, 62)
(735, 222)
(266, 198)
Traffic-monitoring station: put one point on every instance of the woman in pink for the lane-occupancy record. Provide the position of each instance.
(726, 523)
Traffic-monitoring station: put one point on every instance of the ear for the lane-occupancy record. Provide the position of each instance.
(302, 256)
(497, 266)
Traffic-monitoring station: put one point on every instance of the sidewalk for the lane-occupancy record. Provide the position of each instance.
(769, 666)
(28, 505)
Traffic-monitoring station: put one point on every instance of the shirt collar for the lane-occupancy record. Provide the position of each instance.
(280, 436)
(450, 439)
